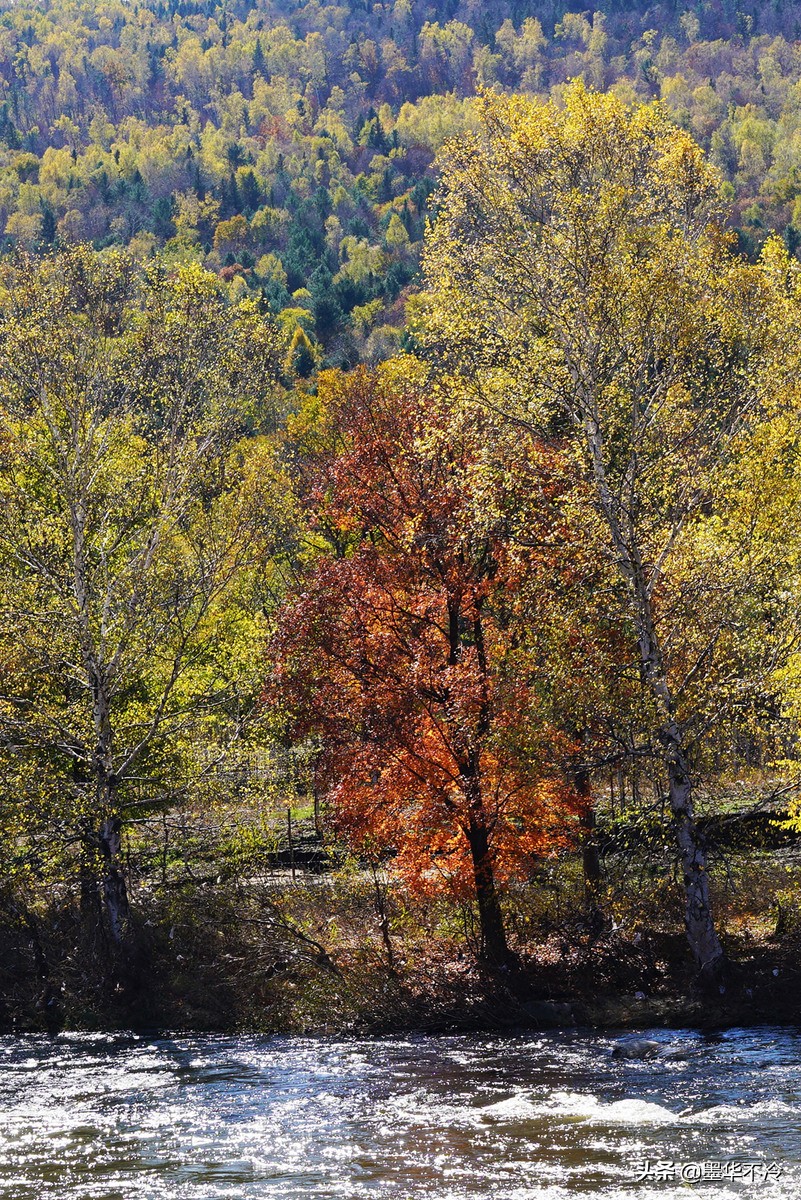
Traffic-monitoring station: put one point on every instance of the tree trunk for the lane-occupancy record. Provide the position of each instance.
(593, 877)
(115, 892)
(705, 947)
(493, 935)
(318, 825)
(701, 934)
(109, 833)
(383, 918)
(494, 949)
(590, 856)
(90, 907)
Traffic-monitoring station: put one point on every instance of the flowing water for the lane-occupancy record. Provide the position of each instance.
(545, 1116)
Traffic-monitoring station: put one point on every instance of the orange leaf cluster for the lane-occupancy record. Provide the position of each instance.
(401, 648)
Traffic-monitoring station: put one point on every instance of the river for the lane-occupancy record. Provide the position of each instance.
(528, 1117)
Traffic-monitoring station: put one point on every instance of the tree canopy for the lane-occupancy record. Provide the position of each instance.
(581, 280)
(289, 147)
(132, 516)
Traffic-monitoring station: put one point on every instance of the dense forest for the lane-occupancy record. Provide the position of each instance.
(288, 147)
(400, 461)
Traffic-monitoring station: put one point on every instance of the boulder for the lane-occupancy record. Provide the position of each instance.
(636, 1048)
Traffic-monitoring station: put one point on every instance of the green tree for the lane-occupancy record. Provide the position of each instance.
(300, 359)
(129, 515)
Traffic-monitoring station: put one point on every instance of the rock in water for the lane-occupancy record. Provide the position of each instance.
(673, 1054)
(636, 1048)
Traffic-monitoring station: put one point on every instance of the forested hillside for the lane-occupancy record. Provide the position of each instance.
(289, 146)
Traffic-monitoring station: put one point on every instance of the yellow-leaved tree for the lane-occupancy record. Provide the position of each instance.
(580, 281)
(132, 515)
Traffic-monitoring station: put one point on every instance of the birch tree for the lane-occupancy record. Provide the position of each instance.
(128, 515)
(580, 279)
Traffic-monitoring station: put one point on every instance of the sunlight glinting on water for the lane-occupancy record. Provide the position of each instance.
(548, 1117)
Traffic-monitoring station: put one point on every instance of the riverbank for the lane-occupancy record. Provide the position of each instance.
(333, 955)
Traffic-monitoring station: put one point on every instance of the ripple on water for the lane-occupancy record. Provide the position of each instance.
(94, 1117)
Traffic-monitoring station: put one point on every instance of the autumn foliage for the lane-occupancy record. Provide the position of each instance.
(402, 649)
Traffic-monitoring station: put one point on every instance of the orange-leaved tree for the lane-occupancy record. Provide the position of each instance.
(401, 646)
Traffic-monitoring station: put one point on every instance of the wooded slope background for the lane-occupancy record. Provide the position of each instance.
(288, 146)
